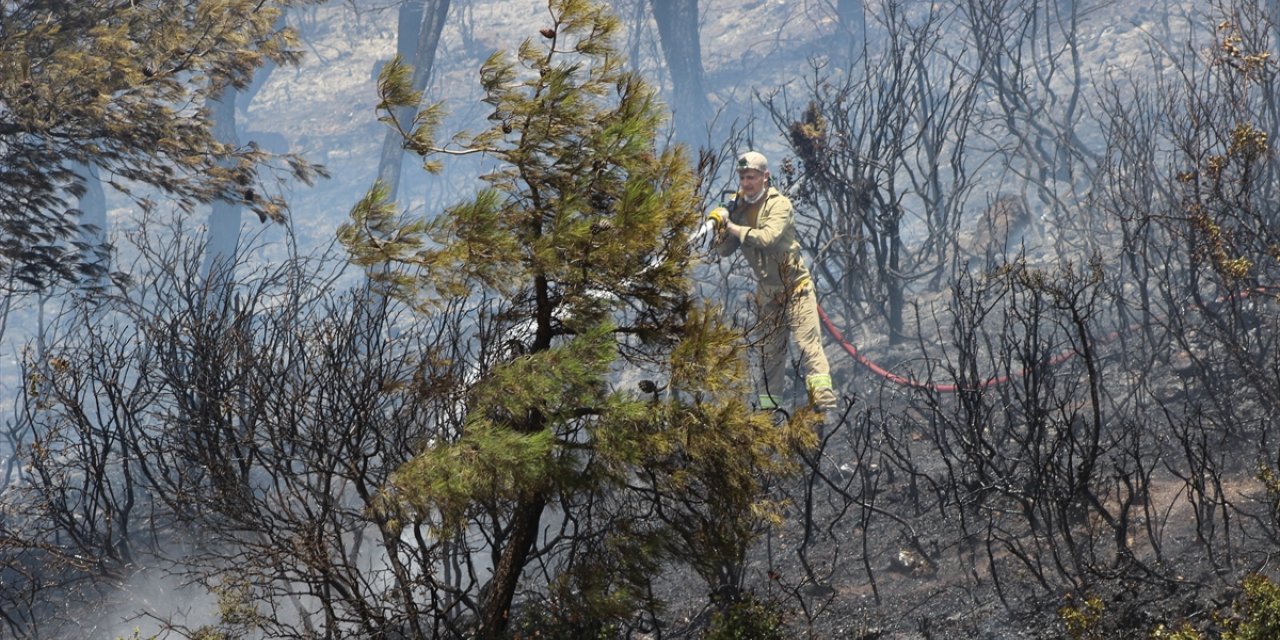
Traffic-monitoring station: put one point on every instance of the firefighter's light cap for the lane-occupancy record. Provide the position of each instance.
(753, 160)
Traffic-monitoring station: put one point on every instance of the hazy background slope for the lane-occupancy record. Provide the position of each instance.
(929, 512)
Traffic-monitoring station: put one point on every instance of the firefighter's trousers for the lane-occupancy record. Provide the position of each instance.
(794, 316)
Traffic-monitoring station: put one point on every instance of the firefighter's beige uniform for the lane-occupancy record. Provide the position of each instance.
(766, 235)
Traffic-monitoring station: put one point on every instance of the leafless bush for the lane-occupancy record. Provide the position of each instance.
(242, 445)
(1096, 419)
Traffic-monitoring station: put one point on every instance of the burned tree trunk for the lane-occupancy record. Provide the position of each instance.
(853, 24)
(224, 219)
(421, 22)
(93, 226)
(681, 45)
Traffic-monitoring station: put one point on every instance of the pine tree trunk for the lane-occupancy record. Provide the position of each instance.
(496, 608)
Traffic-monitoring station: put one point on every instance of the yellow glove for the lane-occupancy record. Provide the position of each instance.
(720, 215)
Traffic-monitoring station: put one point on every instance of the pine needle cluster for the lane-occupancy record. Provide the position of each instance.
(122, 86)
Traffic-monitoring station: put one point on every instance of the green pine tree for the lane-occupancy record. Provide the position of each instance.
(112, 85)
(578, 242)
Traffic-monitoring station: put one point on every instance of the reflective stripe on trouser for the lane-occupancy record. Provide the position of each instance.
(799, 319)
(821, 394)
(766, 402)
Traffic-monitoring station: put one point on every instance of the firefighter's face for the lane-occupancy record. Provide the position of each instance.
(751, 181)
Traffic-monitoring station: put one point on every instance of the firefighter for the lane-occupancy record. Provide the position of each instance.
(760, 223)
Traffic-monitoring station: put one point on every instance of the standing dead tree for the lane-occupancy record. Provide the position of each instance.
(679, 30)
(1027, 59)
(880, 148)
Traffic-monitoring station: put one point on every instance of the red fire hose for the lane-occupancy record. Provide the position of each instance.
(989, 382)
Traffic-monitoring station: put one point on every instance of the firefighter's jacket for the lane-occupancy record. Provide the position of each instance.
(769, 244)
